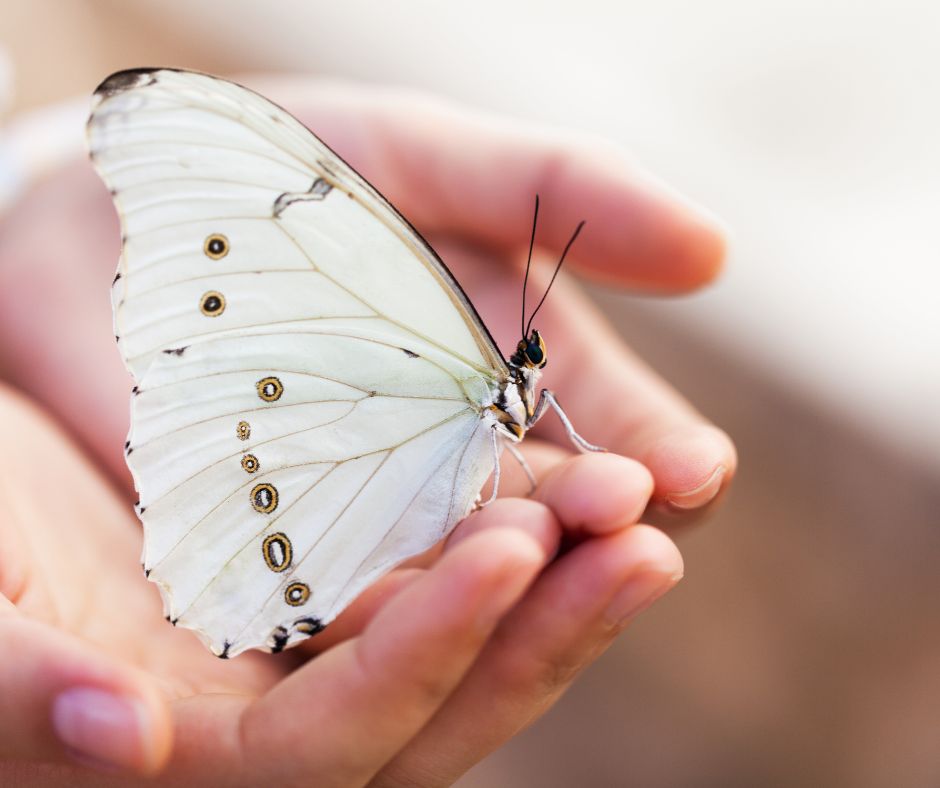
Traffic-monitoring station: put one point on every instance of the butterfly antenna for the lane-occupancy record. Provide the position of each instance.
(525, 282)
(557, 269)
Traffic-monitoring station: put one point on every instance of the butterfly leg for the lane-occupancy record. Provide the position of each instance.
(525, 466)
(546, 399)
(480, 503)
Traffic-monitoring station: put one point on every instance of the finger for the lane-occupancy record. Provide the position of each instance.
(455, 170)
(582, 495)
(63, 701)
(594, 494)
(693, 465)
(579, 604)
(389, 681)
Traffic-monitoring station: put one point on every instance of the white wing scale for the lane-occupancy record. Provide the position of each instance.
(312, 388)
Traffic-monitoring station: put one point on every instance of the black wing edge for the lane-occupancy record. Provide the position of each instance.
(130, 78)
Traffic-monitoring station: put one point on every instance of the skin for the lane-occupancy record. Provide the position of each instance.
(445, 659)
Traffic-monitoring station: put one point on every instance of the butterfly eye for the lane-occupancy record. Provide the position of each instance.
(535, 350)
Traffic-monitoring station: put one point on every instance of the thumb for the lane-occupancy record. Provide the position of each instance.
(62, 700)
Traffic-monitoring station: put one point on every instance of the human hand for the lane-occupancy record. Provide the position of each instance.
(424, 675)
(440, 163)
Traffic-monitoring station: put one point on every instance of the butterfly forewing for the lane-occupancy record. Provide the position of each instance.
(311, 382)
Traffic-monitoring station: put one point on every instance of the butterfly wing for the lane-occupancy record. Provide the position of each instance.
(312, 384)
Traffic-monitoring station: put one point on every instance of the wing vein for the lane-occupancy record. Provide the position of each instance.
(255, 446)
(240, 412)
(394, 525)
(349, 503)
(218, 275)
(148, 144)
(241, 332)
(380, 313)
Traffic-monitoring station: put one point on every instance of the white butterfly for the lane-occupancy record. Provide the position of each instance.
(316, 397)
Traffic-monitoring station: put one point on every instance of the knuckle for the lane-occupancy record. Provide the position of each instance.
(540, 675)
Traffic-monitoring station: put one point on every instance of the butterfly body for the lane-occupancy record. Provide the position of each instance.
(316, 398)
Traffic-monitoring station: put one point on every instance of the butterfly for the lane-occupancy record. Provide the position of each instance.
(316, 398)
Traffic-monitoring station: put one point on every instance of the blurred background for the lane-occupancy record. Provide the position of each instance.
(803, 647)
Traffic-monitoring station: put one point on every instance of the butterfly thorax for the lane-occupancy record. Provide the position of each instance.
(516, 402)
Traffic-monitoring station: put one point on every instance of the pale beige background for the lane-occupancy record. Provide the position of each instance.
(803, 647)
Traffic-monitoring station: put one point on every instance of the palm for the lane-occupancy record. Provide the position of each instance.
(81, 574)
(76, 565)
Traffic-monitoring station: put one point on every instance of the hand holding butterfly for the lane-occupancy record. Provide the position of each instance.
(439, 664)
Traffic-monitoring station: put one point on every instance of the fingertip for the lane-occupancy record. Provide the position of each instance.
(691, 465)
(655, 567)
(597, 493)
(69, 701)
(643, 233)
(651, 550)
(113, 730)
(697, 244)
(685, 241)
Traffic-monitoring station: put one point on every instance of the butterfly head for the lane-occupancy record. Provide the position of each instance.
(531, 351)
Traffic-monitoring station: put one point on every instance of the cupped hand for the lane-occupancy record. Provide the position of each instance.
(425, 674)
(439, 663)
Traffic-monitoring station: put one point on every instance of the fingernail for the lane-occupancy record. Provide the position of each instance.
(100, 728)
(701, 495)
(637, 594)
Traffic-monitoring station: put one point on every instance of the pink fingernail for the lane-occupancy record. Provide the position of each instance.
(637, 594)
(100, 728)
(701, 495)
